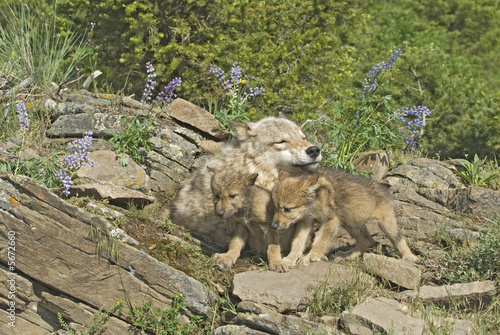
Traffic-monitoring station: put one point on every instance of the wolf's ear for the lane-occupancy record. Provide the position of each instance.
(241, 130)
(251, 179)
(282, 174)
(282, 116)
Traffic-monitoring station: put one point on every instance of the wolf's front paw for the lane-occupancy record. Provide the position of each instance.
(225, 261)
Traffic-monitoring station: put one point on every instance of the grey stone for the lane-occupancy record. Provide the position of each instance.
(397, 271)
(475, 294)
(109, 171)
(389, 316)
(376, 162)
(116, 195)
(194, 117)
(285, 292)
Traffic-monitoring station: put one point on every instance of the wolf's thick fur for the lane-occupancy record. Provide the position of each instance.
(262, 147)
(329, 198)
(238, 200)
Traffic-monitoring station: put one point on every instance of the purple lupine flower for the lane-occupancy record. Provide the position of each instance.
(235, 74)
(226, 84)
(22, 115)
(168, 95)
(370, 83)
(79, 155)
(414, 119)
(254, 91)
(66, 181)
(150, 85)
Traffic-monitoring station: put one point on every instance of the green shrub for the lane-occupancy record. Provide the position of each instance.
(475, 173)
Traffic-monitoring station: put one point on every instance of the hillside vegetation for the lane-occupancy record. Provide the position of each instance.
(311, 59)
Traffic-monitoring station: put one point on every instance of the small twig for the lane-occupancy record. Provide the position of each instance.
(309, 120)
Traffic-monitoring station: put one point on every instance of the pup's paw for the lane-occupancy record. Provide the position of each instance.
(411, 258)
(313, 257)
(279, 266)
(290, 261)
(225, 261)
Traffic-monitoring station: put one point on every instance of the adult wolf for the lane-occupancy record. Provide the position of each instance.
(329, 198)
(263, 147)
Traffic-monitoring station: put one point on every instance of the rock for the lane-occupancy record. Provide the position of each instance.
(76, 125)
(471, 200)
(194, 117)
(475, 294)
(376, 162)
(60, 267)
(108, 171)
(388, 316)
(285, 292)
(424, 172)
(399, 272)
(237, 330)
(261, 318)
(172, 146)
(116, 195)
(71, 109)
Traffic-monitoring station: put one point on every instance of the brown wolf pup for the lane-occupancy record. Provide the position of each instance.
(262, 147)
(329, 198)
(249, 207)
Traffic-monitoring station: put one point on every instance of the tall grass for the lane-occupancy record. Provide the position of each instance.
(30, 46)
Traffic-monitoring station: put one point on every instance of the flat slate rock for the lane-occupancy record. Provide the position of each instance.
(290, 291)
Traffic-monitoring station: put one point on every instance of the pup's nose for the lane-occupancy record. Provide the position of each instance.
(220, 212)
(313, 151)
(274, 225)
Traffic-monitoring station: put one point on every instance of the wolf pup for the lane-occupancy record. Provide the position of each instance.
(329, 198)
(262, 147)
(237, 199)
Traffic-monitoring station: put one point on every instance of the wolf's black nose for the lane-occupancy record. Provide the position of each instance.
(274, 225)
(220, 212)
(313, 151)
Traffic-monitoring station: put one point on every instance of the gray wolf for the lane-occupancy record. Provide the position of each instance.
(239, 201)
(328, 198)
(263, 147)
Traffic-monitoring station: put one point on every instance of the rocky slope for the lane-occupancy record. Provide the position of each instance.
(74, 261)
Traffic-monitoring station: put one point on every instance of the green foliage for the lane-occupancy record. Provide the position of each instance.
(36, 48)
(164, 322)
(468, 261)
(474, 173)
(366, 125)
(43, 171)
(138, 130)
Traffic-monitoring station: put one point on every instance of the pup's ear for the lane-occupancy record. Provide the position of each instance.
(212, 171)
(282, 174)
(241, 130)
(312, 184)
(251, 179)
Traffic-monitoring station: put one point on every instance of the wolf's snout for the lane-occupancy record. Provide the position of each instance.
(220, 213)
(275, 225)
(313, 151)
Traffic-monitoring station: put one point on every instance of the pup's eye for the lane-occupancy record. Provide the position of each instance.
(232, 196)
(287, 209)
